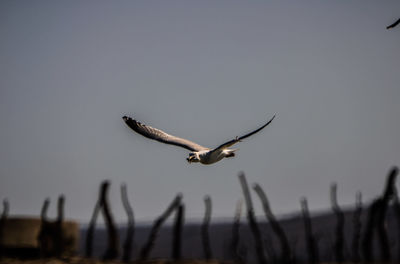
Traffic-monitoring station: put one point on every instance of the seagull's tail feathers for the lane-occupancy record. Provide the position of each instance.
(231, 153)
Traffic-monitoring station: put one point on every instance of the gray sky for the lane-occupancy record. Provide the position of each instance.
(203, 70)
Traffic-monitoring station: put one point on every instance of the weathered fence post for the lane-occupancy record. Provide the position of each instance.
(60, 208)
(58, 234)
(339, 230)
(90, 230)
(396, 209)
(376, 218)
(286, 254)
(43, 233)
(45, 207)
(205, 228)
(312, 247)
(177, 237)
(3, 218)
(146, 249)
(367, 249)
(126, 256)
(6, 209)
(252, 220)
(381, 214)
(357, 229)
(236, 233)
(113, 242)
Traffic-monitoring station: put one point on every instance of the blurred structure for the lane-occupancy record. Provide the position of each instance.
(20, 237)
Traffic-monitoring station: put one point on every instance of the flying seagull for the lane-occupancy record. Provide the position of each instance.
(198, 153)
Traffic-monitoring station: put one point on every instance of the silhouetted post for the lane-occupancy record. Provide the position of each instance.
(43, 233)
(90, 231)
(355, 245)
(60, 208)
(145, 251)
(45, 207)
(126, 256)
(177, 237)
(252, 220)
(286, 253)
(396, 209)
(6, 209)
(58, 235)
(339, 230)
(367, 249)
(381, 214)
(3, 218)
(312, 247)
(205, 228)
(376, 217)
(113, 242)
(236, 234)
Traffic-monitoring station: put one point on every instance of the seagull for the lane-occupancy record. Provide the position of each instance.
(198, 153)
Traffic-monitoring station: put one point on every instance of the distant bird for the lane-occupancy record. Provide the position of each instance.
(198, 153)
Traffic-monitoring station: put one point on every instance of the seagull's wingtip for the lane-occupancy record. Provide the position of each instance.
(272, 117)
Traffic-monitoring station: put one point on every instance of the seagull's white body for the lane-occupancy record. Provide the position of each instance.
(210, 157)
(198, 153)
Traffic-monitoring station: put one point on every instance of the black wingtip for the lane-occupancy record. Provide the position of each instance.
(271, 119)
(126, 118)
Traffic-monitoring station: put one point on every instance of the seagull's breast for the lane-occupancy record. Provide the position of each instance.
(210, 157)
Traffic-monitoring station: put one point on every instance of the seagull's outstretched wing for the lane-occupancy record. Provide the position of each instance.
(161, 136)
(237, 139)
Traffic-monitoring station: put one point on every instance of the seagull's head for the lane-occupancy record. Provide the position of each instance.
(193, 157)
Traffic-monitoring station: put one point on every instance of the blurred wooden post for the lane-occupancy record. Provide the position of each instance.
(286, 254)
(177, 237)
(90, 231)
(3, 218)
(381, 214)
(146, 249)
(131, 225)
(312, 248)
(339, 230)
(45, 207)
(43, 233)
(376, 219)
(252, 220)
(357, 229)
(236, 234)
(396, 209)
(6, 209)
(367, 245)
(113, 241)
(205, 228)
(58, 236)
(60, 208)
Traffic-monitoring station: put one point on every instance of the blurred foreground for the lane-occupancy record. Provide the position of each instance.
(78, 260)
(367, 233)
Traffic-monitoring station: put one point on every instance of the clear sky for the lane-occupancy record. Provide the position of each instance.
(206, 71)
